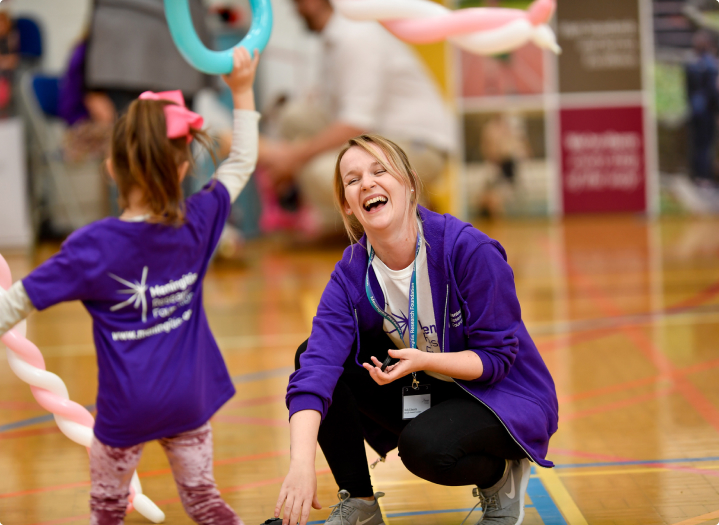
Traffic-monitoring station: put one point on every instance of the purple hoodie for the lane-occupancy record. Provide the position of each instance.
(476, 308)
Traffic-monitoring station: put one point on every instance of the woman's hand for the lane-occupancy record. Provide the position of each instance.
(298, 494)
(242, 77)
(410, 360)
(299, 490)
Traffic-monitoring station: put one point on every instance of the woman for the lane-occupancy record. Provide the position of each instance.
(442, 292)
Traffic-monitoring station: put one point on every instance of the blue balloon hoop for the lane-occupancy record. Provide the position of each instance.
(194, 51)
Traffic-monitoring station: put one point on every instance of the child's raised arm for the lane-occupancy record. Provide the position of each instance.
(236, 170)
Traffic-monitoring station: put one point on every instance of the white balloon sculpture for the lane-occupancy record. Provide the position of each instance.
(479, 30)
(50, 392)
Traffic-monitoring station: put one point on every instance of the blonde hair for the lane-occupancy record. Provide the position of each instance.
(396, 164)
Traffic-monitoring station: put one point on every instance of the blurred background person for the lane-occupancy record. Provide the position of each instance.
(701, 88)
(504, 144)
(370, 82)
(124, 62)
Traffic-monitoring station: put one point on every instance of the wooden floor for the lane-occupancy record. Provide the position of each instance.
(624, 311)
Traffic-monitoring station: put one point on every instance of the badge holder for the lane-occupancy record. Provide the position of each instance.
(415, 399)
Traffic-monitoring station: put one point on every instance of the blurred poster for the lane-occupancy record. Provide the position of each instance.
(600, 45)
(603, 166)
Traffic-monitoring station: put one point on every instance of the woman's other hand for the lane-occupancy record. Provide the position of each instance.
(410, 360)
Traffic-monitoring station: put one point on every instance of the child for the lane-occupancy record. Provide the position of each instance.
(161, 374)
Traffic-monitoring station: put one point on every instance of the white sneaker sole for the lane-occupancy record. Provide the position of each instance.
(526, 470)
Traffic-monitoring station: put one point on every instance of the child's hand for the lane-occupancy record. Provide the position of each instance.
(242, 77)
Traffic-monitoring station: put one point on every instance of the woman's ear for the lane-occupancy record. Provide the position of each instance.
(347, 208)
(110, 169)
(183, 169)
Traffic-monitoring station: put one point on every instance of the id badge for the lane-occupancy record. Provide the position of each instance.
(415, 401)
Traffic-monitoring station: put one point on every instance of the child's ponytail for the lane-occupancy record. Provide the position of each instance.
(143, 157)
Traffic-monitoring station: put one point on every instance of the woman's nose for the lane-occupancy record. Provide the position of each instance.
(368, 183)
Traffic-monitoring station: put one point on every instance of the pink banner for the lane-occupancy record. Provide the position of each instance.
(603, 166)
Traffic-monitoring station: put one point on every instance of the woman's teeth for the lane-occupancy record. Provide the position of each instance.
(375, 200)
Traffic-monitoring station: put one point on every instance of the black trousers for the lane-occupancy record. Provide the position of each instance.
(457, 442)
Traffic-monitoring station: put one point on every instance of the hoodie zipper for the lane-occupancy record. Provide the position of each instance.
(444, 335)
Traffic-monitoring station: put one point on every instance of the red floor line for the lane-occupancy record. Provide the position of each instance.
(253, 402)
(692, 394)
(616, 405)
(247, 420)
(697, 299)
(149, 473)
(613, 388)
(171, 501)
(15, 434)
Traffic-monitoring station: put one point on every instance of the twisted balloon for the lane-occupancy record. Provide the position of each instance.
(50, 392)
(480, 30)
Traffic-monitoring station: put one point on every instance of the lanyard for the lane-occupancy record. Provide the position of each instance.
(412, 303)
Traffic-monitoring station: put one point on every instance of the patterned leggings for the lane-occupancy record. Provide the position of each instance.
(190, 456)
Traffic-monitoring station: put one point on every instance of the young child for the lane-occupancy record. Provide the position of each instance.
(161, 374)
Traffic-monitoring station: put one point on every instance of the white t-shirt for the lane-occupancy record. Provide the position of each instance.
(395, 287)
(373, 81)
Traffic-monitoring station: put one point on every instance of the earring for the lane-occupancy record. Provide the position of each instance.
(412, 191)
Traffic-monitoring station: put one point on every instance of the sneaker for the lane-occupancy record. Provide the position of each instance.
(503, 504)
(355, 511)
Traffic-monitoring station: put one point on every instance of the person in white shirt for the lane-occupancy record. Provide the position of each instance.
(370, 82)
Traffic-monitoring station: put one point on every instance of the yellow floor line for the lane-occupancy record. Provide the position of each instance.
(700, 519)
(561, 497)
(573, 474)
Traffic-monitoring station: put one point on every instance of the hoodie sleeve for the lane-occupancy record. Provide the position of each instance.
(492, 312)
(331, 341)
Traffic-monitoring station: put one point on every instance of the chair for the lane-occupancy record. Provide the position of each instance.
(50, 185)
(30, 38)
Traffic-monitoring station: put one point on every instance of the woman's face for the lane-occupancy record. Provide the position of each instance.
(373, 195)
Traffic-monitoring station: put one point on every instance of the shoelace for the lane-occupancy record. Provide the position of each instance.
(340, 508)
(487, 504)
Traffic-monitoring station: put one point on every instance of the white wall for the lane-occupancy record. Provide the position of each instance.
(62, 23)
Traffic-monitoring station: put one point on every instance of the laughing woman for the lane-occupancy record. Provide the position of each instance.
(419, 344)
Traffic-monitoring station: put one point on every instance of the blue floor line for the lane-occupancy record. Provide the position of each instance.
(543, 502)
(243, 378)
(637, 462)
(34, 420)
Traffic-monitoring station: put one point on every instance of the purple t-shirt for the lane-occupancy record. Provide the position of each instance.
(160, 369)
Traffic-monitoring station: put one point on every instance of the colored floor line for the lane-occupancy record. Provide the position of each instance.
(633, 462)
(239, 379)
(418, 513)
(700, 519)
(557, 493)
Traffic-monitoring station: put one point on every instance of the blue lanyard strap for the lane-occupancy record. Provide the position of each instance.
(412, 302)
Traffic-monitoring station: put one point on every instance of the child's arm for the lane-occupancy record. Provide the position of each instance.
(236, 170)
(15, 305)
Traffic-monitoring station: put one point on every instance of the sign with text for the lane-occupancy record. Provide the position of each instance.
(600, 46)
(603, 164)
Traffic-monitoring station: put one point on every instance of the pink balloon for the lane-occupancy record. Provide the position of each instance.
(31, 354)
(469, 20)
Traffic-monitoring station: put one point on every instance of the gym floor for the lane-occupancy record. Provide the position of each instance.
(625, 312)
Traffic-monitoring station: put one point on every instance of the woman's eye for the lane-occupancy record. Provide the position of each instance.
(351, 181)
(380, 172)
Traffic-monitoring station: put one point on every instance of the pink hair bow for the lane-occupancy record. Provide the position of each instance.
(180, 120)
